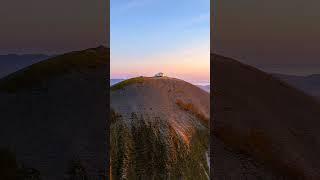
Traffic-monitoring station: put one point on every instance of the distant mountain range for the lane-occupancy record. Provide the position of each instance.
(308, 84)
(13, 62)
(206, 88)
(115, 81)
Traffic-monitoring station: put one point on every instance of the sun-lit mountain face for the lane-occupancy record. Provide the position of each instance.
(159, 129)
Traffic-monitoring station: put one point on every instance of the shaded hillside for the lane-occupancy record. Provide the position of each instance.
(159, 129)
(38, 74)
(264, 128)
(13, 62)
(308, 84)
(54, 112)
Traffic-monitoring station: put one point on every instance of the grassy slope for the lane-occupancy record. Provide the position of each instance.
(127, 82)
(141, 151)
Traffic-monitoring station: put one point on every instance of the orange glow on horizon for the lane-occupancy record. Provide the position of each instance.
(188, 64)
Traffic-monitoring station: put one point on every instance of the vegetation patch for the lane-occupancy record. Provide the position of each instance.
(127, 82)
(114, 115)
(144, 151)
(193, 110)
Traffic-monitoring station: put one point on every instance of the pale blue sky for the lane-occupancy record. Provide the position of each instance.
(148, 36)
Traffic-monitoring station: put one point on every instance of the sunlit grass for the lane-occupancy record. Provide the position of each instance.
(127, 82)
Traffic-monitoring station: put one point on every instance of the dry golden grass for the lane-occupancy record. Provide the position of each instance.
(127, 82)
(193, 110)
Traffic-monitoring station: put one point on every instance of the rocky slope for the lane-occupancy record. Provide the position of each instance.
(159, 129)
(54, 111)
(263, 128)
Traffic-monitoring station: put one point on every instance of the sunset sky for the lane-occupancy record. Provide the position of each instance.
(150, 36)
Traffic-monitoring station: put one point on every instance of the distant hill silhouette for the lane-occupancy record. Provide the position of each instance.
(309, 84)
(115, 81)
(263, 128)
(54, 111)
(206, 87)
(159, 129)
(13, 62)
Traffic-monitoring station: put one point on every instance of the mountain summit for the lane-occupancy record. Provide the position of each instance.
(159, 129)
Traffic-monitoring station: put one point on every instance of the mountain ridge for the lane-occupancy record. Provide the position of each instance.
(13, 62)
(35, 74)
(309, 84)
